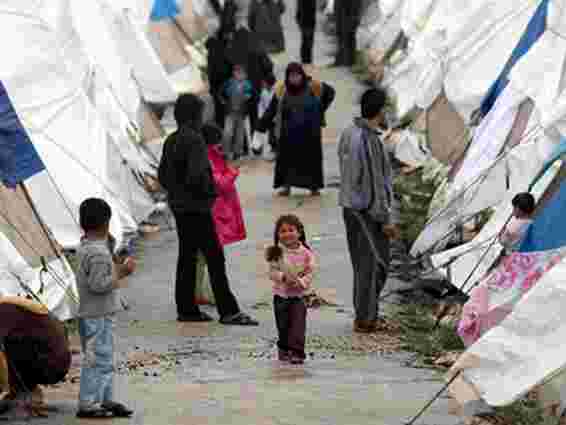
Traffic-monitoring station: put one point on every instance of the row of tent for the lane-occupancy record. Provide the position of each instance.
(82, 89)
(482, 87)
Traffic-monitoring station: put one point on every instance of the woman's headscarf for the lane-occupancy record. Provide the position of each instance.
(295, 67)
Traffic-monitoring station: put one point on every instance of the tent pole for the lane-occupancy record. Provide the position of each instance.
(188, 38)
(40, 221)
(438, 394)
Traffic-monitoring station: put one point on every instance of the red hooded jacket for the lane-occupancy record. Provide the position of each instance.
(227, 210)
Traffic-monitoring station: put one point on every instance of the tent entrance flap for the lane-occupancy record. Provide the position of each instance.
(21, 225)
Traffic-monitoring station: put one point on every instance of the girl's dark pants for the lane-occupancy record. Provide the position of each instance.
(291, 321)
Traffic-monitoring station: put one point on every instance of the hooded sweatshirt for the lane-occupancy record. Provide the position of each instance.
(184, 171)
(366, 175)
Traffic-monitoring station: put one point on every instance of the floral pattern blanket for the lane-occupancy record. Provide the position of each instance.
(496, 296)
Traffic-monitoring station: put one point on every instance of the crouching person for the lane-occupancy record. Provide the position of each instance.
(34, 351)
(98, 283)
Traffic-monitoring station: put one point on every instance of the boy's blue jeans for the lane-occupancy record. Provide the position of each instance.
(97, 368)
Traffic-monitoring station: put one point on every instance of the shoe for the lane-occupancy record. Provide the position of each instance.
(118, 409)
(315, 193)
(283, 356)
(197, 317)
(95, 413)
(296, 360)
(284, 193)
(364, 326)
(239, 319)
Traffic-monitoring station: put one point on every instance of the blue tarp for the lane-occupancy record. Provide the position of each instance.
(547, 230)
(535, 29)
(164, 9)
(18, 158)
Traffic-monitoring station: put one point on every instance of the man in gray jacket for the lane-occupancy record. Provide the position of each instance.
(366, 195)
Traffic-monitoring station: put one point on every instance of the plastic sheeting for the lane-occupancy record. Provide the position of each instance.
(45, 80)
(59, 290)
(136, 50)
(102, 49)
(489, 138)
(527, 348)
(533, 32)
(18, 158)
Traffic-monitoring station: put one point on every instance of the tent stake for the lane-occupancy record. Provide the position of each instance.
(436, 397)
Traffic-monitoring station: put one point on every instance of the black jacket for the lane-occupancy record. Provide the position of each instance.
(306, 13)
(185, 172)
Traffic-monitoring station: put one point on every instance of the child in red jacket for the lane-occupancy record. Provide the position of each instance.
(227, 210)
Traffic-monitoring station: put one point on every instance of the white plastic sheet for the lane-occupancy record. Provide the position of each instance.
(489, 138)
(527, 348)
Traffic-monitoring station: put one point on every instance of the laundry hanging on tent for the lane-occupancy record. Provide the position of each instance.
(494, 299)
(18, 158)
(534, 31)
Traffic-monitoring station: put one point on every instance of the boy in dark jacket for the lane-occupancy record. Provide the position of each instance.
(186, 174)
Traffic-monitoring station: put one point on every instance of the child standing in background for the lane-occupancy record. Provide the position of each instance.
(512, 234)
(236, 94)
(265, 99)
(291, 268)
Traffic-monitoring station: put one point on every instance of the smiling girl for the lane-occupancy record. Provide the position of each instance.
(291, 268)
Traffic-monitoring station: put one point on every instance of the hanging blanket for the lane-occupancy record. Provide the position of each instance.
(495, 297)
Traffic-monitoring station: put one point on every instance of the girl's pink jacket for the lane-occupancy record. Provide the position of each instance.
(227, 211)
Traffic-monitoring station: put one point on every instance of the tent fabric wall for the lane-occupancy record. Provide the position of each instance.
(59, 294)
(474, 255)
(526, 348)
(446, 132)
(533, 31)
(20, 225)
(101, 48)
(46, 83)
(136, 50)
(489, 137)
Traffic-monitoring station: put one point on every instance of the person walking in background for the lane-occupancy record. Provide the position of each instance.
(98, 284)
(306, 19)
(297, 112)
(265, 99)
(230, 42)
(186, 174)
(264, 21)
(291, 269)
(366, 194)
(348, 17)
(236, 95)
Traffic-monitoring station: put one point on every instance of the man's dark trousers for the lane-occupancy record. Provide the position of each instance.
(196, 233)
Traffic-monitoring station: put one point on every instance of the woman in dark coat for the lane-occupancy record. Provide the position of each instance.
(297, 110)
